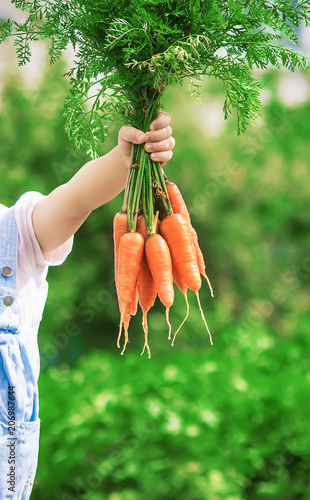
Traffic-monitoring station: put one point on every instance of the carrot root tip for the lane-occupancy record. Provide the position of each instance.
(187, 313)
(203, 317)
(126, 339)
(145, 328)
(168, 322)
(209, 284)
(120, 329)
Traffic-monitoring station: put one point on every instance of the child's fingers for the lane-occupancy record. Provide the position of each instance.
(162, 156)
(158, 135)
(159, 141)
(165, 145)
(161, 121)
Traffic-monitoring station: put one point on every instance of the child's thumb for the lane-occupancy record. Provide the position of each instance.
(131, 134)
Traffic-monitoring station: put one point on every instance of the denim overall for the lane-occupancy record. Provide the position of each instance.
(19, 423)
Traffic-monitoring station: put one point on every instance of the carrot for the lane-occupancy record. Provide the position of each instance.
(179, 281)
(159, 260)
(146, 285)
(141, 226)
(130, 256)
(176, 232)
(179, 207)
(120, 227)
(134, 302)
(147, 296)
(177, 201)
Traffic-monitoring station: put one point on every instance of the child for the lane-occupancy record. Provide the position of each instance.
(34, 233)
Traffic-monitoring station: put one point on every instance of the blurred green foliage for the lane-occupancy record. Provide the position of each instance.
(208, 425)
(194, 422)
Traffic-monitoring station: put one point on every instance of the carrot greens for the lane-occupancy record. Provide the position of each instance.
(128, 52)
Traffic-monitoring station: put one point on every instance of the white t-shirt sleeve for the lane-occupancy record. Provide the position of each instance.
(28, 245)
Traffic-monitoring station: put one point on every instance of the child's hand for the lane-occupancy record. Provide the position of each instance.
(158, 141)
(59, 215)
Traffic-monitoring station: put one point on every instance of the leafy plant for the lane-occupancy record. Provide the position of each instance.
(128, 52)
(226, 424)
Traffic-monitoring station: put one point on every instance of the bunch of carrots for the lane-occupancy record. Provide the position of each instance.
(155, 245)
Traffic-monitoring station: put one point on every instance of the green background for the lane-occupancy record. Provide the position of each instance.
(194, 422)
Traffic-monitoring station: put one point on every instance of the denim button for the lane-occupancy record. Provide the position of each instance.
(8, 300)
(6, 271)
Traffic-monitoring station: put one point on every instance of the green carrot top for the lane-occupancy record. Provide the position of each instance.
(128, 52)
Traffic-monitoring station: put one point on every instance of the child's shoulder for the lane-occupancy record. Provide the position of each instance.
(25, 201)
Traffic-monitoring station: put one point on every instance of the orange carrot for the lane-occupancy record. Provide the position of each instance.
(179, 207)
(159, 260)
(130, 256)
(175, 230)
(141, 226)
(178, 279)
(177, 201)
(134, 302)
(120, 227)
(147, 296)
(146, 285)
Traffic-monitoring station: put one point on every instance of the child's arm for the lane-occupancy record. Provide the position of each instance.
(61, 213)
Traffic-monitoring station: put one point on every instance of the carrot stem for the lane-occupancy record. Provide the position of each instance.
(160, 179)
(187, 313)
(128, 180)
(203, 317)
(155, 223)
(133, 183)
(149, 216)
(134, 209)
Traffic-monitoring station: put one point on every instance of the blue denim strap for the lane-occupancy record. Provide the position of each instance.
(18, 370)
(9, 314)
(8, 248)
